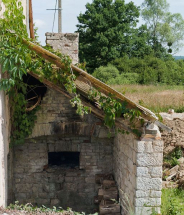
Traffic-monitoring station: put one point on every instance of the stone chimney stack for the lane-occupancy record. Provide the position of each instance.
(66, 43)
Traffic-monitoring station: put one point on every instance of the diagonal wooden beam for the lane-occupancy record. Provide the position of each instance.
(99, 113)
(145, 113)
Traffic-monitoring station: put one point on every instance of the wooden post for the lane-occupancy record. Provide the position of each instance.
(59, 16)
(31, 27)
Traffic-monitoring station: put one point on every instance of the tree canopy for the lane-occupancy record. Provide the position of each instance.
(166, 29)
(107, 31)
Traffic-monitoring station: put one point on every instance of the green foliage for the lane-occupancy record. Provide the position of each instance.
(17, 59)
(114, 109)
(110, 75)
(22, 121)
(166, 30)
(36, 210)
(106, 73)
(149, 70)
(173, 157)
(105, 32)
(153, 212)
(172, 202)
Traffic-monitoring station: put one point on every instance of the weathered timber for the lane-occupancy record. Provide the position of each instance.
(111, 193)
(100, 194)
(97, 200)
(100, 177)
(145, 113)
(98, 112)
(108, 183)
(162, 126)
(109, 209)
(31, 25)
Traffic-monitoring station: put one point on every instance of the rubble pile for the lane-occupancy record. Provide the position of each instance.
(173, 175)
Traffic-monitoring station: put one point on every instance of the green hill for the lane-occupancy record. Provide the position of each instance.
(178, 57)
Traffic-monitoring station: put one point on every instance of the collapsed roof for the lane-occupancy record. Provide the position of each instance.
(84, 82)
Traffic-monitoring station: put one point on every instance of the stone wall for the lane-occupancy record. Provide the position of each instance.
(124, 166)
(149, 176)
(138, 172)
(40, 184)
(66, 43)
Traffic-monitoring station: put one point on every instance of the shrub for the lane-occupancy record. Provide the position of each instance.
(152, 70)
(125, 78)
(172, 202)
(106, 73)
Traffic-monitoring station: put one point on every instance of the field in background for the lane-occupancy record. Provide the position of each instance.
(156, 98)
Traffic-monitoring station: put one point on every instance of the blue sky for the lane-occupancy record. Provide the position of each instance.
(43, 18)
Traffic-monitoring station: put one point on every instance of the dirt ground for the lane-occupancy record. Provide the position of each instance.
(17, 212)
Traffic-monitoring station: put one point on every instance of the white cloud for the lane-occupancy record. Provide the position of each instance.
(39, 23)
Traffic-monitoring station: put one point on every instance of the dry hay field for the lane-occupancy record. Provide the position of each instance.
(157, 98)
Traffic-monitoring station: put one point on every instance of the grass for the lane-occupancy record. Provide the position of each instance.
(172, 202)
(30, 209)
(158, 98)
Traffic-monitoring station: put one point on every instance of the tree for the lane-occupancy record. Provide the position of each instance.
(105, 29)
(166, 30)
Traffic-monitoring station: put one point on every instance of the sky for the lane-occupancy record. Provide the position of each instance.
(43, 18)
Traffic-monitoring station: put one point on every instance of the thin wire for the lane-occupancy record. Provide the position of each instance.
(54, 17)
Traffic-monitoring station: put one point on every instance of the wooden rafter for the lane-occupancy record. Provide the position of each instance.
(145, 113)
(99, 113)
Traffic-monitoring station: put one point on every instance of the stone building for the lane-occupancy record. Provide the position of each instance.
(59, 161)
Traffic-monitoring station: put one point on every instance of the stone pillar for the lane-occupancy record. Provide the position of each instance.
(138, 172)
(149, 176)
(65, 43)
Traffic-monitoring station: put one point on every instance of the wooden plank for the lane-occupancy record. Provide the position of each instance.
(111, 193)
(99, 113)
(100, 194)
(108, 183)
(100, 177)
(109, 209)
(145, 113)
(97, 200)
(163, 127)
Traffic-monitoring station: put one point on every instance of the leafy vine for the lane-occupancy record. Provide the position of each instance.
(17, 60)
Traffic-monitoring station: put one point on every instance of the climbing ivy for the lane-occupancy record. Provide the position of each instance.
(17, 60)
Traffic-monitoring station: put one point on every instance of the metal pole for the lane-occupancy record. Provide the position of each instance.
(59, 16)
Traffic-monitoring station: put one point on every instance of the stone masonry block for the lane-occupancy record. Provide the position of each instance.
(146, 210)
(144, 146)
(155, 159)
(143, 172)
(141, 194)
(149, 184)
(148, 193)
(140, 202)
(158, 146)
(155, 172)
(139, 146)
(155, 194)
